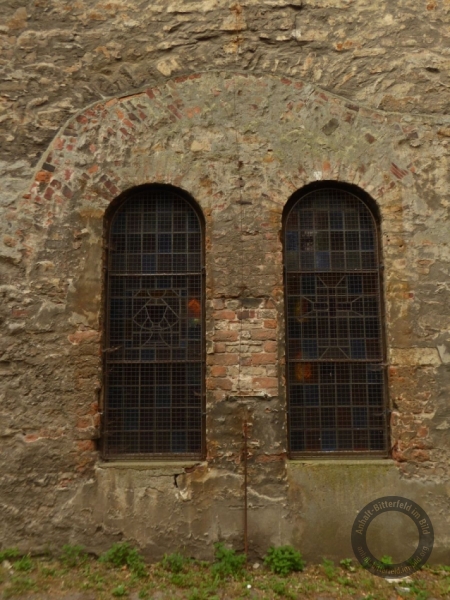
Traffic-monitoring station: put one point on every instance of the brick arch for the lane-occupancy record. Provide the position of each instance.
(219, 136)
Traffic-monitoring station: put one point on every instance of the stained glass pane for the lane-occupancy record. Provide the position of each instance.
(334, 329)
(154, 357)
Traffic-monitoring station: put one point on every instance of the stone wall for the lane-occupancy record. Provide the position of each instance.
(239, 104)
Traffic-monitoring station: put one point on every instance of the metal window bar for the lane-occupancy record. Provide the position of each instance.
(336, 376)
(154, 356)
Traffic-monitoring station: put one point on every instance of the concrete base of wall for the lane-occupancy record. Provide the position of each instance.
(309, 504)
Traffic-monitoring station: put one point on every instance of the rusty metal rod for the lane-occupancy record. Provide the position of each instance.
(245, 490)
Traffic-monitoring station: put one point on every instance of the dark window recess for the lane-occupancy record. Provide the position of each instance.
(154, 355)
(335, 352)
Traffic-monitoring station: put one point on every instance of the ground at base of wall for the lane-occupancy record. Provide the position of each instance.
(51, 579)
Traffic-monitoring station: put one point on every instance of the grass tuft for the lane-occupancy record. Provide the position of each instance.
(73, 556)
(228, 563)
(175, 563)
(122, 554)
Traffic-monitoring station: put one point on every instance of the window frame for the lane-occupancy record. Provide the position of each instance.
(373, 209)
(113, 210)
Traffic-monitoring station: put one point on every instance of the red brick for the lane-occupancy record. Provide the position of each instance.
(224, 359)
(43, 176)
(420, 455)
(228, 315)
(270, 346)
(85, 446)
(263, 334)
(270, 324)
(84, 422)
(220, 347)
(246, 314)
(93, 408)
(220, 383)
(423, 431)
(67, 192)
(217, 371)
(264, 358)
(229, 336)
(48, 193)
(264, 383)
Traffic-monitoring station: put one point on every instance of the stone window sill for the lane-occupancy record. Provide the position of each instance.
(162, 467)
(382, 462)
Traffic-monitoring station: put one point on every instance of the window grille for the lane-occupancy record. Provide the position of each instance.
(334, 337)
(154, 354)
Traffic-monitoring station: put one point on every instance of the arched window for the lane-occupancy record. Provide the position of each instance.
(334, 332)
(154, 349)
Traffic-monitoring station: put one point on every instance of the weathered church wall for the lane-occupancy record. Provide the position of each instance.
(240, 106)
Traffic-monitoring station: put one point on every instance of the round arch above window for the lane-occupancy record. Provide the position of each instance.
(334, 324)
(154, 334)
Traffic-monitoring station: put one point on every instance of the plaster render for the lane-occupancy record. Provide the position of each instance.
(266, 100)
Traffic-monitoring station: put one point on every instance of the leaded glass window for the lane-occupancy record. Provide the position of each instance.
(154, 354)
(334, 333)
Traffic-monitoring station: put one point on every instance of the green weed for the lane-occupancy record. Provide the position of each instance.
(93, 581)
(279, 587)
(175, 563)
(119, 591)
(19, 585)
(8, 554)
(180, 580)
(283, 560)
(345, 581)
(329, 568)
(347, 563)
(418, 588)
(73, 556)
(48, 571)
(368, 584)
(228, 563)
(24, 564)
(202, 594)
(122, 554)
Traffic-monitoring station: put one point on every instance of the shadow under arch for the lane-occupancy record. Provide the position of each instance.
(127, 195)
(323, 184)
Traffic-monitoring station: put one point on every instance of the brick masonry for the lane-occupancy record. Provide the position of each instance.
(240, 142)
